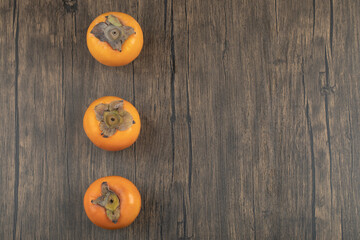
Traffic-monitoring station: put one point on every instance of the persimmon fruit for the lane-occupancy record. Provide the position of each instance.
(114, 39)
(112, 123)
(112, 202)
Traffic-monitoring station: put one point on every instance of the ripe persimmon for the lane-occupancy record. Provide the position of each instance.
(112, 123)
(114, 39)
(112, 202)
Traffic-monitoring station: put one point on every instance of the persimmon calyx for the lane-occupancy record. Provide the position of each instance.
(113, 117)
(112, 32)
(110, 201)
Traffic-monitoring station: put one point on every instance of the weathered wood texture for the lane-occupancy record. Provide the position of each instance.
(250, 119)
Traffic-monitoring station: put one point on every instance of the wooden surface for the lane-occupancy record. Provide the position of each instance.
(249, 109)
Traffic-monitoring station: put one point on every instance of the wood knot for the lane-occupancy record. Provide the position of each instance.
(279, 61)
(327, 90)
(70, 5)
(188, 118)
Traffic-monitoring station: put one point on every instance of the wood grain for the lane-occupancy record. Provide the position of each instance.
(249, 109)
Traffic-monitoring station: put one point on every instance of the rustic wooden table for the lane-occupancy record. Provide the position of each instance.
(249, 109)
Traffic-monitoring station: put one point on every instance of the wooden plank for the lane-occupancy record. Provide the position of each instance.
(341, 94)
(222, 180)
(9, 142)
(42, 165)
(284, 171)
(317, 113)
(181, 181)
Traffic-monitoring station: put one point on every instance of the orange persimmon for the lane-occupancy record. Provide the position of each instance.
(112, 202)
(114, 39)
(112, 123)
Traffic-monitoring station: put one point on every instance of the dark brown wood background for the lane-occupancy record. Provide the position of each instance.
(250, 119)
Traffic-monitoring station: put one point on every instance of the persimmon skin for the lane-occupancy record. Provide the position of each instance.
(130, 202)
(104, 53)
(121, 139)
